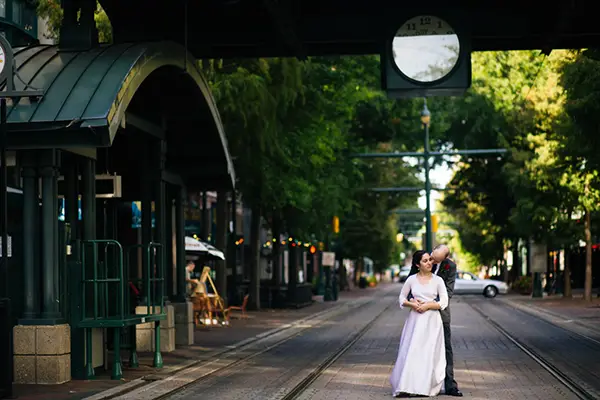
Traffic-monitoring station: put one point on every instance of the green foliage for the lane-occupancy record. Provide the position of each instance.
(53, 12)
(545, 111)
(523, 284)
(291, 126)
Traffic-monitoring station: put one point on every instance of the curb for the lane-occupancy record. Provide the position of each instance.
(529, 308)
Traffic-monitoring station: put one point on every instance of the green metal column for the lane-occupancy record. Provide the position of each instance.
(180, 244)
(88, 232)
(78, 370)
(169, 233)
(160, 201)
(428, 228)
(221, 244)
(30, 203)
(88, 199)
(232, 259)
(206, 222)
(425, 119)
(146, 231)
(50, 300)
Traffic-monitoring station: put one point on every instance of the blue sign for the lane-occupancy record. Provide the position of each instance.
(61, 210)
(136, 215)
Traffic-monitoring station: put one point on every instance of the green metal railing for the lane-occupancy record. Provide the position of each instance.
(105, 277)
(100, 279)
(153, 281)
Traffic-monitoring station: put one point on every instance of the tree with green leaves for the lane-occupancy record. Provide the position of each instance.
(52, 11)
(581, 145)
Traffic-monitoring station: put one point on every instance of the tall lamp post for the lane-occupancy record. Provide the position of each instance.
(425, 120)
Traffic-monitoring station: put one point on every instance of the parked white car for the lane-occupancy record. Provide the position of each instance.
(467, 283)
(404, 271)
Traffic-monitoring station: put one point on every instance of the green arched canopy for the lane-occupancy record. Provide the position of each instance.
(87, 94)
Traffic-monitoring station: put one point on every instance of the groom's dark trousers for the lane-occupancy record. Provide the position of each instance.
(448, 274)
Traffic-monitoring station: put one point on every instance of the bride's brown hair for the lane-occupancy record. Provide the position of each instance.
(417, 256)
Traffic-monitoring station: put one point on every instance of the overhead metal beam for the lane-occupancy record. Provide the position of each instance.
(397, 189)
(407, 211)
(282, 19)
(432, 153)
(173, 178)
(389, 155)
(145, 126)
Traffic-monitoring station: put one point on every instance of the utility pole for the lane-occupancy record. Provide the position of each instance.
(425, 119)
(426, 154)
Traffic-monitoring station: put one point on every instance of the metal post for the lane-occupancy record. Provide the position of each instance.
(180, 244)
(30, 203)
(8, 375)
(205, 231)
(49, 214)
(3, 202)
(233, 250)
(160, 210)
(428, 229)
(170, 257)
(221, 243)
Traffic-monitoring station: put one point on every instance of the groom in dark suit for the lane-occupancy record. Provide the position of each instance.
(445, 268)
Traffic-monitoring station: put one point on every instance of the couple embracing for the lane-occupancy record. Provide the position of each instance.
(425, 364)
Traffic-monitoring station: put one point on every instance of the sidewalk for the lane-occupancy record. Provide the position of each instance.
(574, 309)
(208, 343)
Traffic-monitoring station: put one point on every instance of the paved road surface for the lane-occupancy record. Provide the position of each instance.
(488, 365)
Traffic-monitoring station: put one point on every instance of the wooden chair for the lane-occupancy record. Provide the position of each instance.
(242, 308)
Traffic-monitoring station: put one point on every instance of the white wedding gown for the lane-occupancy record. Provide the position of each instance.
(421, 364)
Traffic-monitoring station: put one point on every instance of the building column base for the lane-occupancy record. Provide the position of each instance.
(145, 332)
(42, 354)
(184, 323)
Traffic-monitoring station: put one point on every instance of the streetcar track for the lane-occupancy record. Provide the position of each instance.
(567, 381)
(143, 382)
(305, 384)
(528, 312)
(303, 326)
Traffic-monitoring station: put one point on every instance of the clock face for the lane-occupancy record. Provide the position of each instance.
(2, 60)
(425, 48)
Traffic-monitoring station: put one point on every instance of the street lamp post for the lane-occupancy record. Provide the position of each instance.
(426, 154)
(426, 119)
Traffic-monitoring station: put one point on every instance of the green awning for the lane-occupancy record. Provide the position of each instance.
(88, 92)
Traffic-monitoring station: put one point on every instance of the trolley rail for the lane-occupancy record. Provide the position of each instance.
(563, 378)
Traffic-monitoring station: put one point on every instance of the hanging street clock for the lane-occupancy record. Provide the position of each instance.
(426, 56)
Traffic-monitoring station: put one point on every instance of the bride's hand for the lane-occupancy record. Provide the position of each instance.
(422, 307)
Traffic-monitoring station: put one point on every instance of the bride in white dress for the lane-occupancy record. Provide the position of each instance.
(421, 364)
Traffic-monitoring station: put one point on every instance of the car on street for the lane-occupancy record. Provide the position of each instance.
(468, 283)
(404, 271)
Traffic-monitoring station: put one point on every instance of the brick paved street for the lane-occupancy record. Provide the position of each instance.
(575, 355)
(487, 365)
(272, 373)
(209, 341)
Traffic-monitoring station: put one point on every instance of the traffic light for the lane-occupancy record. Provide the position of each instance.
(434, 223)
(336, 225)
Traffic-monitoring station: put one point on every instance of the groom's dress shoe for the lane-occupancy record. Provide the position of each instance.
(454, 392)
